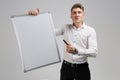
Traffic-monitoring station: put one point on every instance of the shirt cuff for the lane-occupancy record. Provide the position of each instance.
(81, 51)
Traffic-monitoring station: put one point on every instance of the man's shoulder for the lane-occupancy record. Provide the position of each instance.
(68, 26)
(89, 27)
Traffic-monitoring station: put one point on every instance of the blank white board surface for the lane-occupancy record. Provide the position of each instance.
(36, 40)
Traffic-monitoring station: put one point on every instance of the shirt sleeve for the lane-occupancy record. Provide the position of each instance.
(92, 49)
(59, 31)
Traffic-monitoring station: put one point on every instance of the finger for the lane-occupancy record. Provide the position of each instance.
(38, 10)
(36, 13)
(69, 46)
(33, 12)
(29, 12)
(69, 49)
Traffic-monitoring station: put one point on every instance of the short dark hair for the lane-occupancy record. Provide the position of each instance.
(77, 5)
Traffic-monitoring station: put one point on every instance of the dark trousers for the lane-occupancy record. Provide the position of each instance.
(74, 71)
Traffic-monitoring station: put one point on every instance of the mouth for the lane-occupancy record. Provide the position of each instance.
(77, 17)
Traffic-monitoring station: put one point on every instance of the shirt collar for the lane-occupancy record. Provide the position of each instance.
(82, 27)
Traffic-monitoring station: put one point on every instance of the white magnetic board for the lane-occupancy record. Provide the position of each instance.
(36, 40)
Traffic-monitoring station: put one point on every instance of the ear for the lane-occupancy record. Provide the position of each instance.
(71, 16)
(84, 14)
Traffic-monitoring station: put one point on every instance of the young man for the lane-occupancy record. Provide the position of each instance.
(82, 44)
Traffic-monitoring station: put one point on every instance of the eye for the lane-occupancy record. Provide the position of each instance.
(73, 12)
(79, 12)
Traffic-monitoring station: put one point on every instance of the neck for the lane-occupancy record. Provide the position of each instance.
(78, 25)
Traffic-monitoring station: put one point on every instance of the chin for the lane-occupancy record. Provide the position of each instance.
(77, 21)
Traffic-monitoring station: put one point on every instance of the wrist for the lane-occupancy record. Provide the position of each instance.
(75, 51)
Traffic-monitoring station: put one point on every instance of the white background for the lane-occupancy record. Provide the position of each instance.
(103, 15)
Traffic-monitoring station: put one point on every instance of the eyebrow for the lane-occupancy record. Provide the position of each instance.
(76, 11)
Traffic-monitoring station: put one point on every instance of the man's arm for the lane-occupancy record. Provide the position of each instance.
(59, 31)
(92, 49)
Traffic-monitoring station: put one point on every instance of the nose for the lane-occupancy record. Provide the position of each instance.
(77, 14)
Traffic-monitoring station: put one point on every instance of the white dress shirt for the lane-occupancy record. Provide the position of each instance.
(83, 39)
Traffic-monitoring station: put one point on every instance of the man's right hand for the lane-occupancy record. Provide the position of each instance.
(34, 12)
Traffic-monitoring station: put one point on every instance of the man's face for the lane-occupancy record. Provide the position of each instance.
(77, 15)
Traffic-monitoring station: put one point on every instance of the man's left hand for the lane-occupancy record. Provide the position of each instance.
(70, 48)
